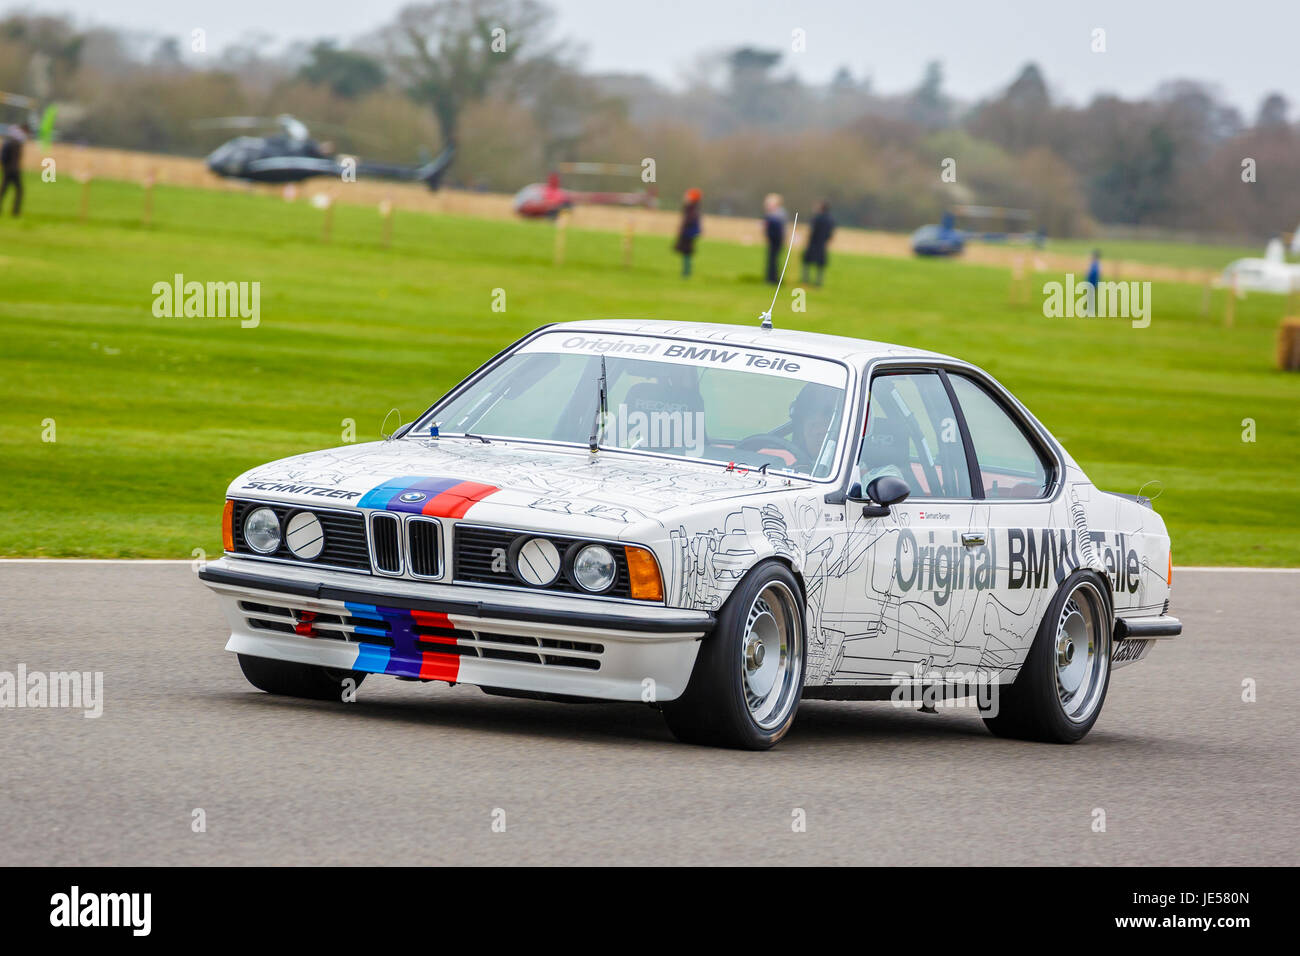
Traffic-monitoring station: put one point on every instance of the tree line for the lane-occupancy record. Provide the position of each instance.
(493, 76)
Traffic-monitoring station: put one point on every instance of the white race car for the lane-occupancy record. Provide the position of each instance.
(717, 520)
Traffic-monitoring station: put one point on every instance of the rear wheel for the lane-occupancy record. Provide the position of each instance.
(748, 677)
(1057, 695)
(310, 681)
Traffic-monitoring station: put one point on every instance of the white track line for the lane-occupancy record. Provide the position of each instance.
(1241, 570)
(1177, 567)
(97, 560)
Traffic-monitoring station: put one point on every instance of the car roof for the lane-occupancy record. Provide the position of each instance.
(855, 351)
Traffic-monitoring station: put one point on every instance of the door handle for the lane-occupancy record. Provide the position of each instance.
(975, 540)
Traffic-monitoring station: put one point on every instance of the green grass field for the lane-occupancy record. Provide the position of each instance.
(153, 416)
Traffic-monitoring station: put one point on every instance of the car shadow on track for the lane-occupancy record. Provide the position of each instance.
(818, 722)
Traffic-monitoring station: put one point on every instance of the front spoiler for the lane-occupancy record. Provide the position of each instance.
(606, 652)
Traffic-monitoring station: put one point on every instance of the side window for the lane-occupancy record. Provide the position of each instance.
(1009, 463)
(912, 433)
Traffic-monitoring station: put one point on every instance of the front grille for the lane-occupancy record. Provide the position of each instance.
(345, 535)
(385, 536)
(478, 549)
(422, 546)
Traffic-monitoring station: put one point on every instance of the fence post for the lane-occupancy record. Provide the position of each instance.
(386, 212)
(561, 225)
(148, 197)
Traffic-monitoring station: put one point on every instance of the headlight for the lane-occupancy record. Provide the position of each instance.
(537, 562)
(594, 568)
(262, 531)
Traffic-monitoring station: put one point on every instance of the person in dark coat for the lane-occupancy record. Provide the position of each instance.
(11, 164)
(689, 230)
(814, 254)
(774, 228)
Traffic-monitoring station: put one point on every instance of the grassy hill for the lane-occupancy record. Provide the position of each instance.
(153, 416)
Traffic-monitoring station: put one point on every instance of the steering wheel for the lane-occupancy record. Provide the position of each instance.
(769, 440)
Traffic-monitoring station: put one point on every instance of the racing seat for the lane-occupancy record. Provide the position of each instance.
(673, 422)
(885, 452)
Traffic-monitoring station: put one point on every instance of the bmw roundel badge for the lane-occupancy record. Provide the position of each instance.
(413, 496)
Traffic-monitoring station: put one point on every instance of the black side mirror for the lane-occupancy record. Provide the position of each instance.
(885, 491)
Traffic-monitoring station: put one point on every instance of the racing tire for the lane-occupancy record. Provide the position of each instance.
(309, 681)
(748, 677)
(1059, 692)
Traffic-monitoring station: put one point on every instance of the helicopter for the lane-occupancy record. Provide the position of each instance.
(291, 156)
(547, 200)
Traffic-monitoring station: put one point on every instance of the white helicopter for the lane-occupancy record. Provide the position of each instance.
(1269, 274)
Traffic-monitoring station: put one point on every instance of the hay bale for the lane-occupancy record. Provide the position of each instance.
(1288, 344)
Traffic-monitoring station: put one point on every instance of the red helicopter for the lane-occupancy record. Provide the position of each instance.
(547, 200)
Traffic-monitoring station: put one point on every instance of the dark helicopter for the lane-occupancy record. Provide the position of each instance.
(292, 156)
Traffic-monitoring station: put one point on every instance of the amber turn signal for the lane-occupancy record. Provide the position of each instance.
(228, 526)
(643, 573)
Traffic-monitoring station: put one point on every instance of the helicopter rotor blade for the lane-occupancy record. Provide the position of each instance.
(233, 122)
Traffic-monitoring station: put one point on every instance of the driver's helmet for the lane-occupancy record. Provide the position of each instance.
(815, 402)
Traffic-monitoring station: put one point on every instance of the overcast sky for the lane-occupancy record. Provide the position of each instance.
(1245, 48)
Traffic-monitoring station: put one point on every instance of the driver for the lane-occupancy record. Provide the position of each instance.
(811, 414)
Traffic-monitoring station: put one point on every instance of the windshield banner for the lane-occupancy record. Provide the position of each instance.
(702, 354)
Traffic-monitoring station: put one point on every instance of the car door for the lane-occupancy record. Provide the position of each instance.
(1033, 540)
(911, 577)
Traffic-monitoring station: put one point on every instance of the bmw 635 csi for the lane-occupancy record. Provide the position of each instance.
(716, 520)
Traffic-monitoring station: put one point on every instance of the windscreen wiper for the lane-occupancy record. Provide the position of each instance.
(601, 406)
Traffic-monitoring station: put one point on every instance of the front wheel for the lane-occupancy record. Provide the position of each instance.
(1057, 695)
(748, 677)
(310, 681)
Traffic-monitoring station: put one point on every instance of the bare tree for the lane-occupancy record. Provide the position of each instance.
(451, 53)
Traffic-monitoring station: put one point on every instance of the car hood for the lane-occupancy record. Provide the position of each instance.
(450, 477)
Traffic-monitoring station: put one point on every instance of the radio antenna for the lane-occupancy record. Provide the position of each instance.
(767, 316)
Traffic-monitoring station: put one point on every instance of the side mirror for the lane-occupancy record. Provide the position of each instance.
(885, 491)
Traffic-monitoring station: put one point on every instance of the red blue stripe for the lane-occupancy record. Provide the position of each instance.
(406, 658)
(439, 497)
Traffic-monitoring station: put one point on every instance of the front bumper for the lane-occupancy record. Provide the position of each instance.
(541, 643)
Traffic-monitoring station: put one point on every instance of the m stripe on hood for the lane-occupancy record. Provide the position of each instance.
(437, 497)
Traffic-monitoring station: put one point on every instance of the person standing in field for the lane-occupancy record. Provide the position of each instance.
(814, 254)
(11, 165)
(1094, 278)
(774, 228)
(689, 229)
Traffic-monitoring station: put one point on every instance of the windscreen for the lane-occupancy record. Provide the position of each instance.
(712, 401)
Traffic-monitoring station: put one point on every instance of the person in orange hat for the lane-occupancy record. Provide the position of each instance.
(689, 229)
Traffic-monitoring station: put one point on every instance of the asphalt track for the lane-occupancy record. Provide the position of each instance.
(1185, 770)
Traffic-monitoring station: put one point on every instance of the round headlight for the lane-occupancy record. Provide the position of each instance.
(594, 568)
(537, 562)
(262, 530)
